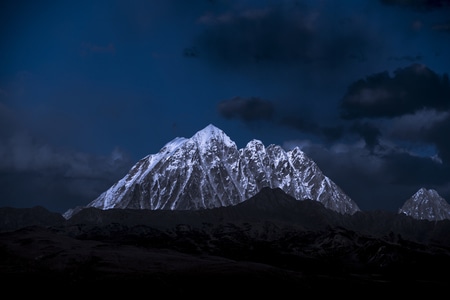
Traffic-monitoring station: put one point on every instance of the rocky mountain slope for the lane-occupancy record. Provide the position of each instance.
(426, 204)
(208, 171)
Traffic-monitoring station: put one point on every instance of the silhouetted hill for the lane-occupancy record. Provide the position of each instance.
(275, 206)
(268, 206)
(270, 244)
(13, 218)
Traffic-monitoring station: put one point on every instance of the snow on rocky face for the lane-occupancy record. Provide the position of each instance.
(426, 204)
(208, 171)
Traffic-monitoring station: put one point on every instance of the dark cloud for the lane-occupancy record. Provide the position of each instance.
(246, 109)
(56, 193)
(369, 132)
(140, 20)
(33, 171)
(387, 174)
(329, 133)
(419, 5)
(55, 178)
(23, 152)
(283, 33)
(257, 36)
(415, 127)
(415, 105)
(254, 109)
(405, 169)
(437, 135)
(360, 175)
(411, 89)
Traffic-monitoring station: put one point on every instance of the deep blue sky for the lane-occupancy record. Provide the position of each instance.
(87, 88)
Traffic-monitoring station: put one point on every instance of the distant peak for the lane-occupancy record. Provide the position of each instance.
(426, 204)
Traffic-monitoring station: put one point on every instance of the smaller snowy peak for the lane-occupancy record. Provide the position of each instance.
(426, 204)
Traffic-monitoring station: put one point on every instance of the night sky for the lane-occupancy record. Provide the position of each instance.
(87, 88)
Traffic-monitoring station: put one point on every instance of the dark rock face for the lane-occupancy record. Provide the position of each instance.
(271, 244)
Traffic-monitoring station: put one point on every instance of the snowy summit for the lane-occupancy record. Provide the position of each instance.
(426, 204)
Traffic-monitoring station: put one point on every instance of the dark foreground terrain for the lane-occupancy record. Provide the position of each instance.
(269, 245)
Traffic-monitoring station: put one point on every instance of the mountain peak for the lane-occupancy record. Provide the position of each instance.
(209, 130)
(209, 133)
(426, 204)
(208, 171)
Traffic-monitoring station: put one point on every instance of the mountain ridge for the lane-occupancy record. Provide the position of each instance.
(208, 170)
(267, 206)
(272, 240)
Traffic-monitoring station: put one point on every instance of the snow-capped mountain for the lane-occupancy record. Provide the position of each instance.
(426, 204)
(209, 171)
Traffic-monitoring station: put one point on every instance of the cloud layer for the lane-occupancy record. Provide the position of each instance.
(391, 132)
(34, 171)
